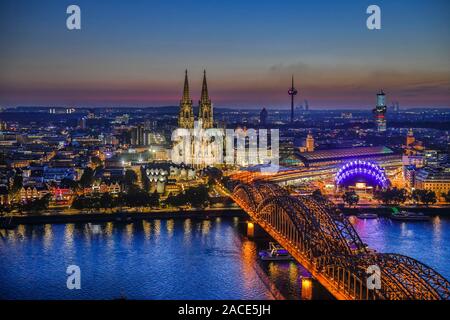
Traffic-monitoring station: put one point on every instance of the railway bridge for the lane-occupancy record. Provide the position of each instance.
(321, 239)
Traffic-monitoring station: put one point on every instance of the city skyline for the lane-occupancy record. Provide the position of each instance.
(136, 55)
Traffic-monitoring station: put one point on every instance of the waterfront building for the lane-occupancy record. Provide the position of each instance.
(164, 177)
(434, 178)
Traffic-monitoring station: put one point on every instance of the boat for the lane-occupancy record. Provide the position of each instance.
(409, 216)
(275, 253)
(367, 216)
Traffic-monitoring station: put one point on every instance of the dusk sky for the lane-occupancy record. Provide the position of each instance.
(134, 53)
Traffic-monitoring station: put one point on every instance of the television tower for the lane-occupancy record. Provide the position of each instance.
(380, 112)
(292, 92)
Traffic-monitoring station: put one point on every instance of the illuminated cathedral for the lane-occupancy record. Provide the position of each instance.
(205, 108)
(203, 149)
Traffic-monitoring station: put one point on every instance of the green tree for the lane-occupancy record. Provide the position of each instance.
(351, 198)
(426, 197)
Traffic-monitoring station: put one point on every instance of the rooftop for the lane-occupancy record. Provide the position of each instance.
(336, 154)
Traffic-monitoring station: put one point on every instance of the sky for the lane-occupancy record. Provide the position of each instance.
(134, 53)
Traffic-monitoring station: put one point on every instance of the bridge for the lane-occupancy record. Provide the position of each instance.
(323, 241)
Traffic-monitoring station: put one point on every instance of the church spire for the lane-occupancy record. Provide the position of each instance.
(205, 95)
(186, 96)
(205, 107)
(186, 114)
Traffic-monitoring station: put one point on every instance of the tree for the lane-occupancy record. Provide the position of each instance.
(96, 161)
(426, 197)
(391, 196)
(351, 198)
(446, 196)
(87, 178)
(197, 196)
(37, 204)
(69, 183)
(317, 195)
(106, 201)
(145, 180)
(154, 199)
(130, 178)
(17, 183)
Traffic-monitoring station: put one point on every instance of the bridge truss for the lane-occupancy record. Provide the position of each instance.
(322, 239)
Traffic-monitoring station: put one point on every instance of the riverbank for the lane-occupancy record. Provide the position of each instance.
(121, 216)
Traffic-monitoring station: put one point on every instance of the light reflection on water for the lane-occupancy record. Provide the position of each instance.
(426, 241)
(181, 259)
(160, 259)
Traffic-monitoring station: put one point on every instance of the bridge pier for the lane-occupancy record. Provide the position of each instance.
(307, 288)
(255, 231)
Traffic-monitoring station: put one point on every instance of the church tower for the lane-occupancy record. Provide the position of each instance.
(410, 138)
(186, 115)
(310, 142)
(205, 107)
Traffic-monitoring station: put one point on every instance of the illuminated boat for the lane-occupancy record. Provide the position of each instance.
(367, 216)
(275, 253)
(409, 216)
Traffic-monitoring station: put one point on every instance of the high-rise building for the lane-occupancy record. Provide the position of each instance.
(263, 117)
(205, 107)
(380, 112)
(138, 136)
(186, 115)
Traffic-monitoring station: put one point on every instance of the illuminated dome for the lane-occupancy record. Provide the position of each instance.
(356, 171)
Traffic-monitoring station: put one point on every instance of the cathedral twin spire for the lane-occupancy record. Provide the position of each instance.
(186, 115)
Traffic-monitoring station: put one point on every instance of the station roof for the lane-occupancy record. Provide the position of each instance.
(345, 153)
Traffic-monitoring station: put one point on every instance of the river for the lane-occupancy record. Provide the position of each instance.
(180, 259)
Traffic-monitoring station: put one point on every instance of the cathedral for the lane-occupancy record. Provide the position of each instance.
(205, 109)
(202, 148)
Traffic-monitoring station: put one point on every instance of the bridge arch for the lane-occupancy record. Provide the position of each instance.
(322, 239)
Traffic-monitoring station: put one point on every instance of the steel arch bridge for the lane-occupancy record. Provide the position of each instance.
(322, 239)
